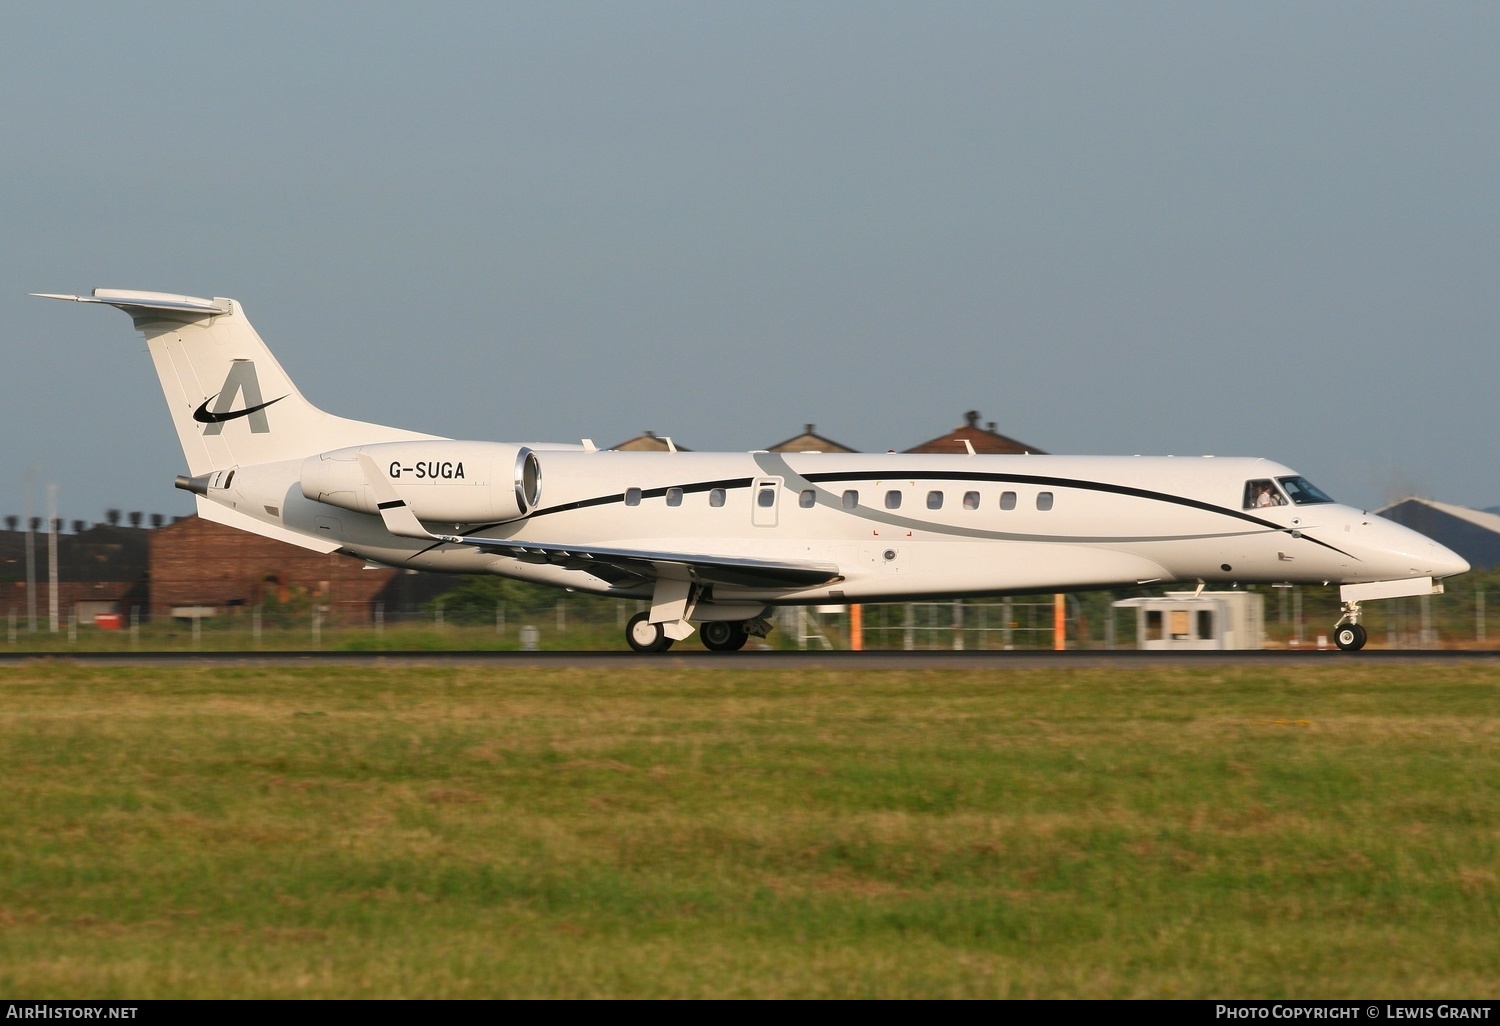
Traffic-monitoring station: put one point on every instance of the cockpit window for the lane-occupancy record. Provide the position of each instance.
(1263, 493)
(1303, 491)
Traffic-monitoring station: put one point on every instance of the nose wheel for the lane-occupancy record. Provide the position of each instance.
(645, 636)
(1348, 635)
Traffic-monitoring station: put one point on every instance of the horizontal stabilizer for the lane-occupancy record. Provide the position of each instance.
(126, 299)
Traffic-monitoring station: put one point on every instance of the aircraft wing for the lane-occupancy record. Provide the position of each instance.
(621, 565)
(618, 566)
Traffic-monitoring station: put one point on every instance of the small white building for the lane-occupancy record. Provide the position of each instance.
(1209, 620)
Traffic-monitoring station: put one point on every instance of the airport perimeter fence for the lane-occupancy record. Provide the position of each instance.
(545, 619)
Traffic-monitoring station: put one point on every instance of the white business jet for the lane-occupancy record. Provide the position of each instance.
(714, 540)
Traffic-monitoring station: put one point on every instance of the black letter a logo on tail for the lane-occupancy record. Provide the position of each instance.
(241, 378)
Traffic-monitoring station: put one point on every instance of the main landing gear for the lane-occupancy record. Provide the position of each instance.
(717, 635)
(723, 635)
(645, 636)
(1348, 635)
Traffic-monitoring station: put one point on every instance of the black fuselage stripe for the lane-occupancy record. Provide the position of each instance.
(849, 476)
(646, 493)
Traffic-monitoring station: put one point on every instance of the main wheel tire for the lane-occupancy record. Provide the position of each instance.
(1350, 637)
(723, 635)
(645, 636)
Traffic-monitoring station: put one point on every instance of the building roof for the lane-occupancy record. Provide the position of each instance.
(648, 442)
(809, 441)
(1478, 517)
(984, 439)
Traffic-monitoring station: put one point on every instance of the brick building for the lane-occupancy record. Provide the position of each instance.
(101, 569)
(200, 568)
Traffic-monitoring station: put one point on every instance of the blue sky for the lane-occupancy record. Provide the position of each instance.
(1247, 229)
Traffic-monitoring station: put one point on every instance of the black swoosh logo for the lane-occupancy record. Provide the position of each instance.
(202, 416)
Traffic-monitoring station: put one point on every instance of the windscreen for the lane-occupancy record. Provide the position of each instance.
(1303, 491)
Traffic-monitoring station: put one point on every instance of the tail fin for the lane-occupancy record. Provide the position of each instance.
(231, 402)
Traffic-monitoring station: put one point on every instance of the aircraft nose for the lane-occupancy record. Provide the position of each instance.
(1446, 562)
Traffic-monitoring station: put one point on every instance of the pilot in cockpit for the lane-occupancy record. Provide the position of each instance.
(1259, 494)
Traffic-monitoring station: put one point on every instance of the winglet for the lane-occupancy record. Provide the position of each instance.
(398, 517)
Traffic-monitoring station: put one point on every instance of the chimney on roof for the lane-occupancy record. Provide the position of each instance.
(809, 429)
(972, 417)
(991, 428)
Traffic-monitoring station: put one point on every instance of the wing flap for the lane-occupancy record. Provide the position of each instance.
(649, 564)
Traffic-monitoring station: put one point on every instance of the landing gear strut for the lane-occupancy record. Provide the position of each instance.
(723, 635)
(645, 636)
(1348, 635)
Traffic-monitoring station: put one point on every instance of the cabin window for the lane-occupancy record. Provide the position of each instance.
(851, 499)
(971, 500)
(807, 498)
(934, 500)
(674, 496)
(765, 498)
(1262, 492)
(632, 496)
(1043, 500)
(1302, 491)
(716, 497)
(1007, 500)
(893, 499)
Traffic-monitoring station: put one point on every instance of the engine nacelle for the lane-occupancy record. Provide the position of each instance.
(447, 482)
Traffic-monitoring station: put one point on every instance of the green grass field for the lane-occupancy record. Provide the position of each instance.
(476, 832)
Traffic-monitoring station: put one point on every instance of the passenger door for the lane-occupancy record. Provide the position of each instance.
(765, 495)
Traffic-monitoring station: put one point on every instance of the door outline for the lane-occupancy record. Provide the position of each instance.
(764, 516)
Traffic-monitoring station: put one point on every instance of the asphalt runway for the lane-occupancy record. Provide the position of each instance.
(771, 661)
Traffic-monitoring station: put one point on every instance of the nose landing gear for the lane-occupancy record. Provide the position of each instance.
(1348, 635)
